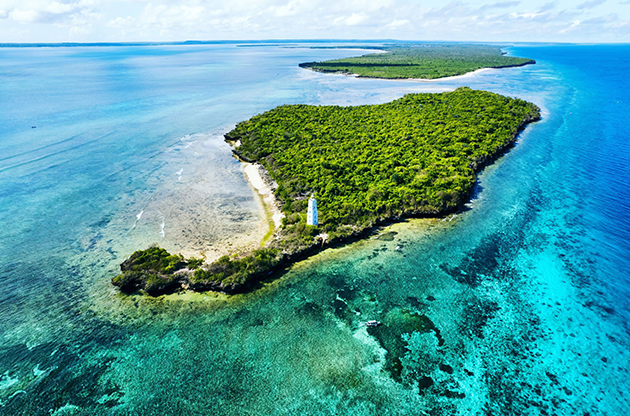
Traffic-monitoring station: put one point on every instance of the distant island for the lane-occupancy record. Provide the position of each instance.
(367, 165)
(428, 61)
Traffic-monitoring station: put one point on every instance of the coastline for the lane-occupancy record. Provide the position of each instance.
(205, 213)
(244, 271)
(441, 79)
(466, 75)
(289, 258)
(263, 186)
(451, 78)
(258, 178)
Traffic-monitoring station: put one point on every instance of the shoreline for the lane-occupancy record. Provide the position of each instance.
(244, 272)
(466, 75)
(258, 177)
(288, 259)
(263, 186)
(449, 78)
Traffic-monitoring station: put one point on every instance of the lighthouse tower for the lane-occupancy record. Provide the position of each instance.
(311, 214)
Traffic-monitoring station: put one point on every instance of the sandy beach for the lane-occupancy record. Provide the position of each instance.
(466, 75)
(255, 176)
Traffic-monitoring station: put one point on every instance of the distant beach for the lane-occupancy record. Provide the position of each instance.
(453, 78)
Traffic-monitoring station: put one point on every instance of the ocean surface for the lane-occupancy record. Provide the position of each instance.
(516, 306)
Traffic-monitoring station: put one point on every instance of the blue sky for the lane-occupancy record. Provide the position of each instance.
(169, 20)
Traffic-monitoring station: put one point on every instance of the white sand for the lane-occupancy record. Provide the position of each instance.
(255, 178)
(466, 75)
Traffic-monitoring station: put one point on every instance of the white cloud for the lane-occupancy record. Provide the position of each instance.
(55, 12)
(162, 20)
(79, 31)
(398, 23)
(575, 24)
(292, 8)
(122, 22)
(24, 16)
(352, 20)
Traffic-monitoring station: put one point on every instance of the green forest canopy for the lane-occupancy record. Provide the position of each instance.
(422, 61)
(414, 155)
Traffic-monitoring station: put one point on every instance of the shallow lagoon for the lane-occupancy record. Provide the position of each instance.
(528, 288)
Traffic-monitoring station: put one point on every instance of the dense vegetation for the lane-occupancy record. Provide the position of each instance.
(152, 270)
(156, 271)
(427, 61)
(417, 155)
(237, 271)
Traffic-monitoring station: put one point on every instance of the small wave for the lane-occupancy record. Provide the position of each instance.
(138, 216)
(52, 153)
(179, 173)
(162, 228)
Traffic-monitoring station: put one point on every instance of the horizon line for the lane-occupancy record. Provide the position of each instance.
(265, 41)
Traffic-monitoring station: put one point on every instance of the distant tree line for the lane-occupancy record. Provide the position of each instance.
(427, 61)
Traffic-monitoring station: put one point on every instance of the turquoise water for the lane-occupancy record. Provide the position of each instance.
(517, 306)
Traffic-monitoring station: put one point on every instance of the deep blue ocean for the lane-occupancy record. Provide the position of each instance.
(105, 150)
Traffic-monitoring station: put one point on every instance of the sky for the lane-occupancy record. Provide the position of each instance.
(432, 20)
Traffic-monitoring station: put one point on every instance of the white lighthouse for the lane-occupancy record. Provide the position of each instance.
(311, 214)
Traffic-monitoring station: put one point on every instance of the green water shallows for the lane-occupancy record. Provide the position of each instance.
(515, 306)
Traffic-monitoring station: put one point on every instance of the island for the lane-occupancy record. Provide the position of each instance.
(366, 166)
(426, 61)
